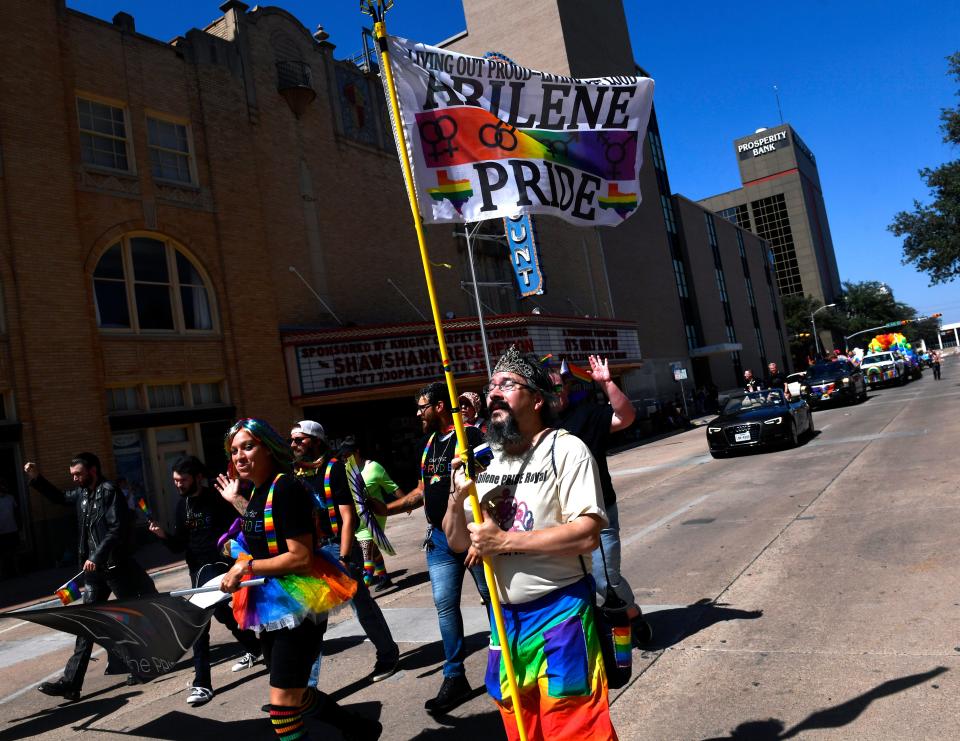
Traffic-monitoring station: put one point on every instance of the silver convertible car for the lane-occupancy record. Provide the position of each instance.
(759, 419)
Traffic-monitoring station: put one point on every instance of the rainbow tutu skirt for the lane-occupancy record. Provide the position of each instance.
(286, 601)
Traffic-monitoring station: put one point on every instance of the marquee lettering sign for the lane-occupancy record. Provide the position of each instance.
(400, 355)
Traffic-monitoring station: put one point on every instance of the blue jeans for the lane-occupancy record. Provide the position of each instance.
(446, 570)
(368, 613)
(610, 542)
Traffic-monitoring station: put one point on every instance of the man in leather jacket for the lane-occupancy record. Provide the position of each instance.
(104, 548)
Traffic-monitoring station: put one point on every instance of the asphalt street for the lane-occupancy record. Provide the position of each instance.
(808, 593)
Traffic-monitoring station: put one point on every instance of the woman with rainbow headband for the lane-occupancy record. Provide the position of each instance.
(275, 538)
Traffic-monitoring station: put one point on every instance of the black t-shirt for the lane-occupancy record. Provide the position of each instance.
(591, 423)
(776, 381)
(339, 489)
(292, 515)
(436, 472)
(200, 521)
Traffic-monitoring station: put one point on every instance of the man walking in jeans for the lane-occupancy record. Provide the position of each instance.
(593, 423)
(446, 567)
(325, 477)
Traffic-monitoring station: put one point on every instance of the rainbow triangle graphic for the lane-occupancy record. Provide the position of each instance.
(623, 203)
(458, 192)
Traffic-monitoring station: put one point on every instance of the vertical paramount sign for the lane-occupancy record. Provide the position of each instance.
(491, 139)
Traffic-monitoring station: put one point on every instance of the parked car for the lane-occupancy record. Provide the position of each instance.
(759, 419)
(882, 368)
(840, 380)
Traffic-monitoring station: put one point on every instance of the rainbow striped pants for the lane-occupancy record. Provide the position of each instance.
(556, 654)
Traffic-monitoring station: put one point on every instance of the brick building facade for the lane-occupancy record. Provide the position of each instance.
(182, 224)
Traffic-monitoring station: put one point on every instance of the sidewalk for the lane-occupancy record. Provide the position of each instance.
(40, 585)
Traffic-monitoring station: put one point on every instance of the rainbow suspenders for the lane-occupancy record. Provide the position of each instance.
(423, 460)
(268, 527)
(328, 498)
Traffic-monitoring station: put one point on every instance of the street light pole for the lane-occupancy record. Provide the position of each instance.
(476, 294)
(813, 322)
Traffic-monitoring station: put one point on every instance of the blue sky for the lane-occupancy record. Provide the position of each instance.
(861, 82)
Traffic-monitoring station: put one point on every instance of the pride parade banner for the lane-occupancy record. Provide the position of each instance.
(488, 138)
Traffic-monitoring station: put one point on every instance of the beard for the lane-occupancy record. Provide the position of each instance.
(503, 433)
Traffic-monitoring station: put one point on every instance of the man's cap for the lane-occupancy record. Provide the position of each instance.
(311, 429)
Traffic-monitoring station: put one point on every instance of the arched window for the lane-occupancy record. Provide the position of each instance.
(144, 284)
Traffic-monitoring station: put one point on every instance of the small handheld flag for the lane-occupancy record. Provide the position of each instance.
(568, 368)
(69, 592)
(144, 507)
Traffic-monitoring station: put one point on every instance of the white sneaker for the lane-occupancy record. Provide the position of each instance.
(244, 662)
(199, 696)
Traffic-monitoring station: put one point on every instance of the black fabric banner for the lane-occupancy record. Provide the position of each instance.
(149, 634)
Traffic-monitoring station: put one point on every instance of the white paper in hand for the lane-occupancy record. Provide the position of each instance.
(209, 599)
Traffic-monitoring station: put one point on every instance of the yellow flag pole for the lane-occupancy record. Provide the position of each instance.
(380, 33)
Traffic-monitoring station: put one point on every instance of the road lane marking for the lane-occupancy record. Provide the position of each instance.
(866, 438)
(695, 460)
(904, 400)
(633, 537)
(13, 652)
(55, 675)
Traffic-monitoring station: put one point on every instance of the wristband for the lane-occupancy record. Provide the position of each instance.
(248, 567)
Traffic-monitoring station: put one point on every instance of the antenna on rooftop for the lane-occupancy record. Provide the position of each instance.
(776, 92)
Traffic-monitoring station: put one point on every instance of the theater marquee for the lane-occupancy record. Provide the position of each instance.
(375, 361)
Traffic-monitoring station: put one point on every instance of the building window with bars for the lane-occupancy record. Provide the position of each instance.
(773, 224)
(656, 150)
(171, 155)
(165, 396)
(148, 285)
(721, 285)
(103, 135)
(668, 214)
(711, 230)
(206, 393)
(691, 336)
(681, 277)
(125, 399)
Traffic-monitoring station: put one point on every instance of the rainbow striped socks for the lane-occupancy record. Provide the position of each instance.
(287, 723)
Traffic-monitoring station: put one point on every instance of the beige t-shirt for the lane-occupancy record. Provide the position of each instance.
(523, 494)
